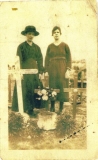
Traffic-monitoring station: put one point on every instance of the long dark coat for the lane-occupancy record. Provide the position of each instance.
(57, 59)
(30, 58)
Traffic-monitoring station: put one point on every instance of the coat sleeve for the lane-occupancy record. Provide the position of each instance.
(40, 61)
(47, 58)
(68, 56)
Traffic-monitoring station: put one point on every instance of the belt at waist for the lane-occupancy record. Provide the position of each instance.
(57, 58)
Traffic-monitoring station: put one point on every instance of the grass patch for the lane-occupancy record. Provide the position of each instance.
(65, 125)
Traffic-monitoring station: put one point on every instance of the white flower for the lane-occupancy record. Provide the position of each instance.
(39, 93)
(54, 93)
(38, 98)
(44, 91)
(45, 97)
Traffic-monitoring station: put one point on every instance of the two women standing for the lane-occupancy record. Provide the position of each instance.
(57, 59)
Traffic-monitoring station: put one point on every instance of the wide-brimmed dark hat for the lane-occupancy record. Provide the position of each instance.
(30, 29)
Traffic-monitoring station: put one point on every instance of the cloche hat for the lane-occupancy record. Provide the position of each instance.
(30, 29)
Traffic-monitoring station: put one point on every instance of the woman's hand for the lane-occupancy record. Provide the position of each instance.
(41, 76)
(46, 74)
(67, 74)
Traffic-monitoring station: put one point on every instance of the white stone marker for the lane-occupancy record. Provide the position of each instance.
(47, 120)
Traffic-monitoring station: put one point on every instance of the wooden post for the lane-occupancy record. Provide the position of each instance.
(74, 103)
(82, 77)
(75, 94)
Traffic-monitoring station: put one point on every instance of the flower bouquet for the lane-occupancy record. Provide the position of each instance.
(46, 95)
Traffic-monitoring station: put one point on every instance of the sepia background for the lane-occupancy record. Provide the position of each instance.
(78, 21)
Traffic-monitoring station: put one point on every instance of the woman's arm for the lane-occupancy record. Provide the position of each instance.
(18, 53)
(47, 60)
(68, 56)
(40, 61)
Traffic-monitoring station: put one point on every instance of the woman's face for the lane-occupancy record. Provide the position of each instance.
(56, 34)
(30, 36)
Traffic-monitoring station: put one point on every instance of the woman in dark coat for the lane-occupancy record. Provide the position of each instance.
(30, 58)
(58, 58)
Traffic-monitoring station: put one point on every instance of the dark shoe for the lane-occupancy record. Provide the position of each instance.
(30, 112)
(52, 109)
(61, 107)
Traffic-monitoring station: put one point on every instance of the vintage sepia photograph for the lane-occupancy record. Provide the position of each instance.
(49, 54)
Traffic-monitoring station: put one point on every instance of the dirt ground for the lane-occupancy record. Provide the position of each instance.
(53, 139)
